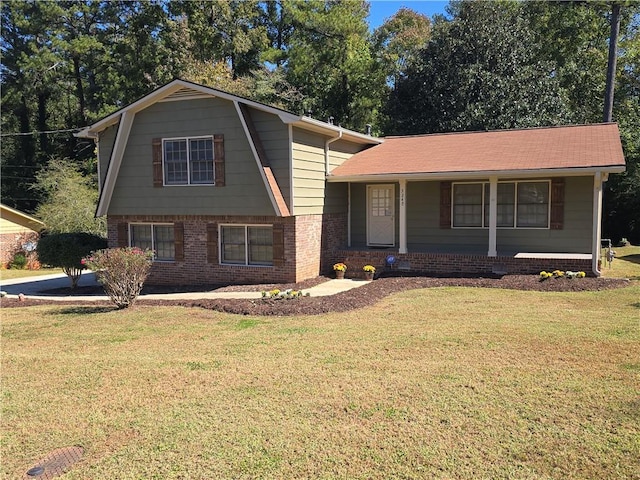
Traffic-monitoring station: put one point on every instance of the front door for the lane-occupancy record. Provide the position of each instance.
(380, 215)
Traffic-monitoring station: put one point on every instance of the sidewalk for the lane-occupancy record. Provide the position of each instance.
(36, 288)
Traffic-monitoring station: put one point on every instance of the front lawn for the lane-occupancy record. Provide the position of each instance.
(12, 273)
(626, 263)
(461, 383)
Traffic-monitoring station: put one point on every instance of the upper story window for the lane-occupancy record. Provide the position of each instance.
(188, 161)
(519, 205)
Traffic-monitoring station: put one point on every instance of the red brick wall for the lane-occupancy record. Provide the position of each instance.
(302, 237)
(11, 243)
(453, 264)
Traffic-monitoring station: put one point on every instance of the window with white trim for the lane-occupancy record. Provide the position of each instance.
(188, 161)
(521, 204)
(246, 244)
(156, 237)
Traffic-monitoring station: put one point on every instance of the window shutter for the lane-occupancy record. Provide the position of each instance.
(178, 241)
(278, 245)
(156, 148)
(557, 204)
(123, 234)
(218, 153)
(445, 204)
(212, 243)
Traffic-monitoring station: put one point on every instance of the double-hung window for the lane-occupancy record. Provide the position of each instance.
(246, 244)
(156, 237)
(519, 205)
(188, 161)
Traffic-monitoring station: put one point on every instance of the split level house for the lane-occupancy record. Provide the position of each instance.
(228, 190)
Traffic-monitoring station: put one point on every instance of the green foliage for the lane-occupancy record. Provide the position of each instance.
(121, 271)
(480, 71)
(19, 261)
(70, 199)
(399, 41)
(66, 250)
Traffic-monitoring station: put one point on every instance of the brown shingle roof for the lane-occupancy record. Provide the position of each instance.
(579, 146)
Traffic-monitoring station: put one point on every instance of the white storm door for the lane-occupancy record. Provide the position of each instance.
(380, 215)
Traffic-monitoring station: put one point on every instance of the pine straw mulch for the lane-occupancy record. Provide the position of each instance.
(356, 298)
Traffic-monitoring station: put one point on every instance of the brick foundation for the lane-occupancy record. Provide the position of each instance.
(312, 244)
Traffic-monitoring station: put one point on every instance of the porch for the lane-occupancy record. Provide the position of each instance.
(391, 261)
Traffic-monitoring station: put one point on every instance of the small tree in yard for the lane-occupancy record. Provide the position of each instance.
(121, 271)
(66, 250)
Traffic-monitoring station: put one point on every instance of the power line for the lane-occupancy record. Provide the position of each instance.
(23, 134)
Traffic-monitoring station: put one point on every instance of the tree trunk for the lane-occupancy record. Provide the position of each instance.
(611, 66)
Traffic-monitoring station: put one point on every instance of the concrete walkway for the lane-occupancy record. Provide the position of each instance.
(37, 287)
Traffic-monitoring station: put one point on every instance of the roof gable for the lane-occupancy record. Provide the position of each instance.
(580, 147)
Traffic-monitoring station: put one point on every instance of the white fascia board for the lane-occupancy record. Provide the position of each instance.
(502, 174)
(173, 87)
(124, 128)
(274, 204)
(135, 107)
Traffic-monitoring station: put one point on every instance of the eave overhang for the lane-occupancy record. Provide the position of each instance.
(475, 175)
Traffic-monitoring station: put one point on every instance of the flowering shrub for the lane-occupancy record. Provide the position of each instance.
(369, 268)
(290, 294)
(121, 271)
(340, 267)
(559, 274)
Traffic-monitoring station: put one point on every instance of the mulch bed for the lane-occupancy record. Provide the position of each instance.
(356, 298)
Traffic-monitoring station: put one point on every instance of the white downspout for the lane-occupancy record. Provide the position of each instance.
(326, 151)
(597, 220)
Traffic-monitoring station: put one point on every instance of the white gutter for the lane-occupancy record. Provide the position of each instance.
(598, 179)
(326, 150)
(503, 174)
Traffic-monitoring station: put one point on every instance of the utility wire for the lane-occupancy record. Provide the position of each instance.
(23, 134)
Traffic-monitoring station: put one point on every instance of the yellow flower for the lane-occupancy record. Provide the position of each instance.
(341, 267)
(369, 268)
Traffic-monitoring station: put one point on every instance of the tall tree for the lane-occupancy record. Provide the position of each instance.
(330, 60)
(480, 71)
(399, 41)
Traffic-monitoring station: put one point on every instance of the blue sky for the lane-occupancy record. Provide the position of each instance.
(380, 10)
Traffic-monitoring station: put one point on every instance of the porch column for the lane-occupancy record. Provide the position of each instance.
(597, 220)
(493, 216)
(403, 217)
(349, 214)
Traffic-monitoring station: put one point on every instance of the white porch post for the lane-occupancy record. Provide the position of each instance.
(493, 216)
(349, 214)
(403, 217)
(597, 220)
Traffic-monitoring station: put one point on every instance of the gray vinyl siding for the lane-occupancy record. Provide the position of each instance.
(244, 193)
(105, 148)
(423, 224)
(575, 237)
(425, 235)
(275, 139)
(308, 172)
(312, 195)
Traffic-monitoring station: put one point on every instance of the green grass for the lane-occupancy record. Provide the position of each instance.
(439, 383)
(625, 265)
(12, 274)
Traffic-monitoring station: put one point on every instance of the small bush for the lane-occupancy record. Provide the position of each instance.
(19, 261)
(121, 271)
(66, 250)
